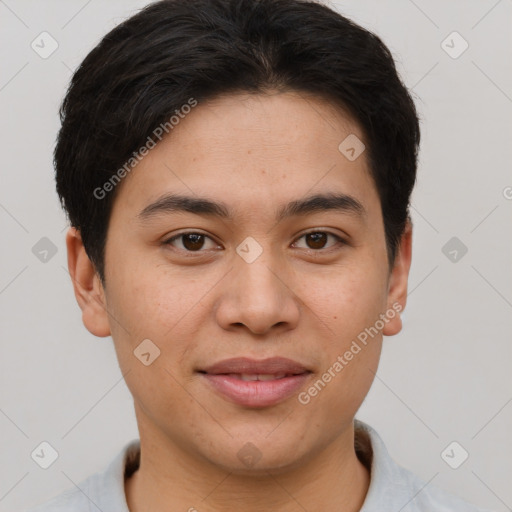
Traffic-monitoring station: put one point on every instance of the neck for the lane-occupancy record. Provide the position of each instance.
(170, 478)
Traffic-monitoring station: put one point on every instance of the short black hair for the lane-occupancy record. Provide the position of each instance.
(172, 51)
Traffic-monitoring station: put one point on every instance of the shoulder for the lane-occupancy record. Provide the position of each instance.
(103, 490)
(392, 487)
(68, 500)
(427, 497)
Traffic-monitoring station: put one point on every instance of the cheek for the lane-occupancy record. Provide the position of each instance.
(166, 309)
(349, 303)
(347, 299)
(154, 302)
(150, 306)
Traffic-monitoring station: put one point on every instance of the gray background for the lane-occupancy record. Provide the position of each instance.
(445, 378)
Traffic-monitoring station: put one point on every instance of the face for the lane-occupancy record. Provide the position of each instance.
(271, 282)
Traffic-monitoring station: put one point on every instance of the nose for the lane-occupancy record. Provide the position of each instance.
(258, 296)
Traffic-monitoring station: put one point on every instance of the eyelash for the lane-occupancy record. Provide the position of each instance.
(339, 241)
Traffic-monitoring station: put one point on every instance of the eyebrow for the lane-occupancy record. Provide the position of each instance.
(175, 203)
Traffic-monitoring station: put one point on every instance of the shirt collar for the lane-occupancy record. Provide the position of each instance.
(392, 487)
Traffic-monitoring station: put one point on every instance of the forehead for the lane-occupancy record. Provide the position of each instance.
(255, 149)
(283, 121)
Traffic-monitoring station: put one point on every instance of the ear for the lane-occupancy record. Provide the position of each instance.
(397, 289)
(87, 285)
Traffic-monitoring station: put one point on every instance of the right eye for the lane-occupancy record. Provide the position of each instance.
(190, 241)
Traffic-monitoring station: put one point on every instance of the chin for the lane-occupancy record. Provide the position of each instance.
(250, 455)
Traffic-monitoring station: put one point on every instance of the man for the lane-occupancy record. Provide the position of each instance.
(237, 174)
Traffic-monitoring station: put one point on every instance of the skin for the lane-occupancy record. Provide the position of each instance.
(298, 300)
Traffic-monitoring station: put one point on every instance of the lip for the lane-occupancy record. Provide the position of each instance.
(224, 378)
(271, 365)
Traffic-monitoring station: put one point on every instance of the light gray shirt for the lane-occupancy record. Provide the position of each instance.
(392, 487)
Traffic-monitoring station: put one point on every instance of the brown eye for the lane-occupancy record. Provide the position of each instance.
(318, 240)
(190, 242)
(193, 241)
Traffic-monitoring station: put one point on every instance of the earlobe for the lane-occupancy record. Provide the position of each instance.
(398, 281)
(87, 285)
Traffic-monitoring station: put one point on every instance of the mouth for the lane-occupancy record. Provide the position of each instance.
(248, 377)
(256, 383)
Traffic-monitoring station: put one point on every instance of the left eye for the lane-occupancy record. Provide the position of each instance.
(318, 239)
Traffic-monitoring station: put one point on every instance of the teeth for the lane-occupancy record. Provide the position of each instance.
(246, 376)
(259, 376)
(267, 376)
